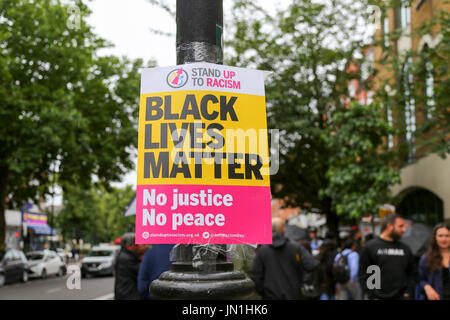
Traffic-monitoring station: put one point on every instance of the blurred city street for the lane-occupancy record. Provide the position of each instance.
(55, 288)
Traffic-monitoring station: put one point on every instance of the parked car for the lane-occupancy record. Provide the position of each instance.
(13, 267)
(99, 261)
(44, 263)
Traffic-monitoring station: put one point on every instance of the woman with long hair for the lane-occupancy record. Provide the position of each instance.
(434, 274)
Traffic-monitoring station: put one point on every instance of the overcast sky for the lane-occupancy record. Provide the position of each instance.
(128, 24)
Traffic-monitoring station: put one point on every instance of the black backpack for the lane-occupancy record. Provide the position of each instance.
(341, 270)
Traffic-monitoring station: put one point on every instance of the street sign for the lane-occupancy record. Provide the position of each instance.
(203, 164)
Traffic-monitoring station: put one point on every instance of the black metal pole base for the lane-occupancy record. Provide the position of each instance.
(202, 286)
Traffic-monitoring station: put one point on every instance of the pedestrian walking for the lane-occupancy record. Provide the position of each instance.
(127, 268)
(156, 260)
(394, 262)
(74, 253)
(315, 242)
(356, 235)
(434, 274)
(328, 251)
(348, 288)
(277, 268)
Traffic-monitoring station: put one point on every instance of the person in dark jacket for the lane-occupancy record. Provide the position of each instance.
(328, 252)
(434, 274)
(127, 268)
(397, 268)
(156, 260)
(276, 269)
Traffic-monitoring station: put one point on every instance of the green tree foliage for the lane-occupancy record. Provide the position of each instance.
(359, 175)
(96, 213)
(63, 108)
(309, 46)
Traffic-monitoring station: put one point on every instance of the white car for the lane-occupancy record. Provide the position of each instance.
(44, 263)
(100, 260)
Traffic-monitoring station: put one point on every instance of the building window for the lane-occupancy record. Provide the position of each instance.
(369, 99)
(390, 122)
(429, 89)
(403, 15)
(409, 109)
(386, 32)
(367, 65)
(351, 89)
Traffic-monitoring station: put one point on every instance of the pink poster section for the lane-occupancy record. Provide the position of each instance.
(196, 214)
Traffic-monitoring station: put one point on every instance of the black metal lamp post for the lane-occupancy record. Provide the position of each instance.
(201, 271)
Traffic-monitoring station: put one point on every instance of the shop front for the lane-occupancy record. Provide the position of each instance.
(36, 231)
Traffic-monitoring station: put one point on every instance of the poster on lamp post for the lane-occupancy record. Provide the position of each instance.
(203, 158)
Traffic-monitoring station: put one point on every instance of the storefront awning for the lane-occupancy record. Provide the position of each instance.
(42, 229)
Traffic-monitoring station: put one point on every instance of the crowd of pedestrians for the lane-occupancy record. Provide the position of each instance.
(381, 268)
(378, 268)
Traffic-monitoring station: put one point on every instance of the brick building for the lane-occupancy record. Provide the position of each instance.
(424, 193)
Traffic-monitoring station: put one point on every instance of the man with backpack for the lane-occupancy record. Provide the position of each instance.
(278, 267)
(345, 272)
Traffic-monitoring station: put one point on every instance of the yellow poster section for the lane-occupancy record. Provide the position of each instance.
(247, 135)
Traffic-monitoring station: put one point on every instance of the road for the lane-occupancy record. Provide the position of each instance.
(58, 288)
